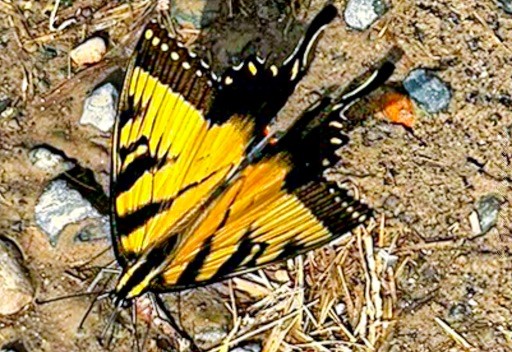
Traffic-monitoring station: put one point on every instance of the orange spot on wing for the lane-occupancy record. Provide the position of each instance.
(266, 133)
(398, 108)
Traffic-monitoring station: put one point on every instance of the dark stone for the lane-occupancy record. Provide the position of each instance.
(428, 90)
(488, 208)
(506, 5)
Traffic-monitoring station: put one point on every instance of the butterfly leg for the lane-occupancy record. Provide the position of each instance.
(100, 276)
(164, 314)
(134, 327)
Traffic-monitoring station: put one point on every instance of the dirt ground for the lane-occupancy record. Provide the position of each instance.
(424, 183)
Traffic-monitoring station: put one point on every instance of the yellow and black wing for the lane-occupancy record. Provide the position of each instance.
(181, 131)
(277, 207)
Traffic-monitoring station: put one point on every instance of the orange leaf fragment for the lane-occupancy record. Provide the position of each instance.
(398, 108)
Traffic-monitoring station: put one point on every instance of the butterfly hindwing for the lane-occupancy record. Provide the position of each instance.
(272, 84)
(278, 207)
(259, 221)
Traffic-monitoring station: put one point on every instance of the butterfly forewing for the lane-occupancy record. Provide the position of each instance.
(167, 156)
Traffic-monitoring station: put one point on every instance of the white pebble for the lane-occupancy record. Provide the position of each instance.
(48, 161)
(360, 14)
(59, 206)
(89, 52)
(15, 287)
(100, 108)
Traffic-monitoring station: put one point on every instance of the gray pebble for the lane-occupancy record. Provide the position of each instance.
(488, 208)
(100, 108)
(428, 90)
(59, 206)
(250, 347)
(49, 161)
(360, 14)
(4, 104)
(198, 13)
(458, 312)
(94, 232)
(506, 5)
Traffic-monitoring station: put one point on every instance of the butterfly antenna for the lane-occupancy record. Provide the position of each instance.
(166, 315)
(61, 298)
(96, 256)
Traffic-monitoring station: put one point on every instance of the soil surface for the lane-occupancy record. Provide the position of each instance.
(425, 181)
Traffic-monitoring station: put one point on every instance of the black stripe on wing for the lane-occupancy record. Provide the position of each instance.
(339, 211)
(261, 90)
(166, 59)
(311, 145)
(315, 137)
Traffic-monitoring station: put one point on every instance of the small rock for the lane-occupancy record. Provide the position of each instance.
(49, 161)
(163, 5)
(475, 223)
(249, 347)
(360, 14)
(428, 90)
(392, 202)
(488, 208)
(429, 272)
(4, 104)
(458, 312)
(8, 112)
(268, 13)
(195, 13)
(89, 52)
(506, 5)
(208, 335)
(59, 206)
(472, 303)
(13, 124)
(49, 52)
(340, 308)
(95, 232)
(16, 346)
(15, 287)
(100, 108)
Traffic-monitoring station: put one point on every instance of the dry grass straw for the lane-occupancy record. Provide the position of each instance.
(64, 23)
(339, 298)
(454, 335)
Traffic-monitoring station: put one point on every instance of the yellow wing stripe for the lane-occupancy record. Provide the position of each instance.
(190, 151)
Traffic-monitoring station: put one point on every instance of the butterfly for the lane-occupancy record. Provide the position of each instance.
(199, 191)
